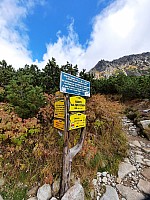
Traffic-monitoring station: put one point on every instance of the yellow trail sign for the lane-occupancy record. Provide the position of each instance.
(59, 109)
(77, 120)
(59, 124)
(77, 103)
(59, 95)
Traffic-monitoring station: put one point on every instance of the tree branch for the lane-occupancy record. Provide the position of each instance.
(74, 150)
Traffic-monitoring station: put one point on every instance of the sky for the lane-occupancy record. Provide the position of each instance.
(81, 32)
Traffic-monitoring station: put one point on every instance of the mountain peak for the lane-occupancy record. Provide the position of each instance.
(136, 64)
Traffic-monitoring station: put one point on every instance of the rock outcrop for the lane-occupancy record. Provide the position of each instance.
(138, 64)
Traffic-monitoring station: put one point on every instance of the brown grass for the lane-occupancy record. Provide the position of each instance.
(39, 157)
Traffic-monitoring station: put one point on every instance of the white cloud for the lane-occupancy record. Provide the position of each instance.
(67, 48)
(13, 37)
(121, 29)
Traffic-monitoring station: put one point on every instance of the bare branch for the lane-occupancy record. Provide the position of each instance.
(74, 150)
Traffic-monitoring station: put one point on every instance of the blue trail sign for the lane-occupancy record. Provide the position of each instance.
(73, 85)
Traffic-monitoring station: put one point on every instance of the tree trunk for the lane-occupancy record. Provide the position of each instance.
(68, 155)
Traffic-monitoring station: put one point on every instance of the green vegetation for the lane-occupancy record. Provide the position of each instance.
(128, 87)
(31, 149)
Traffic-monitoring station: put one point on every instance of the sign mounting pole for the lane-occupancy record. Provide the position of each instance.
(66, 168)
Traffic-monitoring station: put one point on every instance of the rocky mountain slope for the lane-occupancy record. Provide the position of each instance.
(138, 64)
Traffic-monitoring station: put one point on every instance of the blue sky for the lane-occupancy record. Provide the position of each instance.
(56, 16)
(81, 32)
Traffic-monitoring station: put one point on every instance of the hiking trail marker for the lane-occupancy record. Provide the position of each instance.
(73, 85)
(77, 103)
(69, 115)
(59, 109)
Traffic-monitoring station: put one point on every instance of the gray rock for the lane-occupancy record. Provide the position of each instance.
(94, 182)
(99, 179)
(124, 169)
(142, 143)
(44, 192)
(1, 197)
(104, 173)
(145, 123)
(104, 179)
(147, 162)
(128, 193)
(99, 173)
(33, 191)
(110, 194)
(56, 187)
(108, 175)
(138, 152)
(146, 149)
(76, 192)
(126, 160)
(118, 180)
(139, 159)
(146, 173)
(33, 198)
(146, 111)
(144, 186)
(2, 182)
(136, 143)
(133, 132)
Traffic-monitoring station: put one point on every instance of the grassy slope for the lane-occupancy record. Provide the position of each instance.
(32, 153)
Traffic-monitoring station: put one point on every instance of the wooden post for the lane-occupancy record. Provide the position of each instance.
(68, 154)
(65, 179)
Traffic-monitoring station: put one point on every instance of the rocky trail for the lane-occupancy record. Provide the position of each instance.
(133, 180)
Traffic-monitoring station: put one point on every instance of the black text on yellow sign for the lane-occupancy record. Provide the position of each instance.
(77, 120)
(59, 124)
(59, 109)
(77, 103)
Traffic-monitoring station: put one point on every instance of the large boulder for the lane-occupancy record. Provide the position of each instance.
(76, 192)
(128, 193)
(124, 169)
(110, 194)
(1, 197)
(44, 192)
(146, 128)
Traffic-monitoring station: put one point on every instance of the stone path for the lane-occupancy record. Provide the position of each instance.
(133, 180)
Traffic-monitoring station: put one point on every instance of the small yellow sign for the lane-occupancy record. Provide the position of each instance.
(77, 120)
(77, 103)
(59, 95)
(59, 109)
(59, 124)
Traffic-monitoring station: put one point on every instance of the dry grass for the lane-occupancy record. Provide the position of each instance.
(38, 158)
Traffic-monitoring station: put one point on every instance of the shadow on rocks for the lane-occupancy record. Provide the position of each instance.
(147, 197)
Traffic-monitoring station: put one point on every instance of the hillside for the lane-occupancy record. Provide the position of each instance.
(138, 65)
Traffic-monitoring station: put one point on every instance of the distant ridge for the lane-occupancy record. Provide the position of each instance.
(136, 64)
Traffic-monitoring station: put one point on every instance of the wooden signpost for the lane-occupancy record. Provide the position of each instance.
(69, 115)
